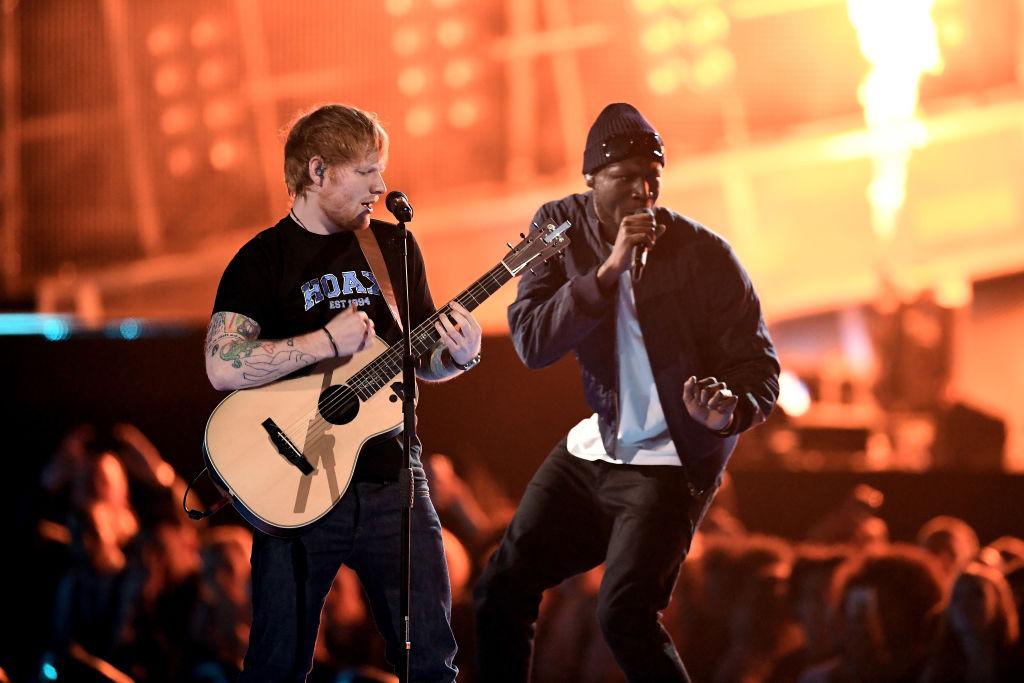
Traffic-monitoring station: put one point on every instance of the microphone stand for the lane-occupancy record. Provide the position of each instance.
(405, 477)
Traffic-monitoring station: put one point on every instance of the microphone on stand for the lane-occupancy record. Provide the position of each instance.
(398, 204)
(640, 253)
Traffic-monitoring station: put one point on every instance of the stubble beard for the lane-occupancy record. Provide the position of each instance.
(360, 221)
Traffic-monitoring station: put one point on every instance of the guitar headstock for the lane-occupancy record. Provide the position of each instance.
(537, 247)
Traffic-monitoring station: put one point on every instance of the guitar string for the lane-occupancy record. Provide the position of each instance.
(372, 377)
(423, 334)
(426, 329)
(372, 369)
(373, 372)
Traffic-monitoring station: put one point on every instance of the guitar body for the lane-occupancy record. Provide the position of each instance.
(267, 489)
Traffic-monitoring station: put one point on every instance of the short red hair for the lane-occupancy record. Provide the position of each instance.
(338, 133)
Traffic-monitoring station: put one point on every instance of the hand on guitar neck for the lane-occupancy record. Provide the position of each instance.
(460, 334)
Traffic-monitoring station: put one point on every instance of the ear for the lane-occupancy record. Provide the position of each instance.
(316, 170)
(588, 178)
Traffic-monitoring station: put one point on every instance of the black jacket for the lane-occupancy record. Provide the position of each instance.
(698, 313)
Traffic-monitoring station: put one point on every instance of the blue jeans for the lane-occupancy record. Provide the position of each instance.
(291, 578)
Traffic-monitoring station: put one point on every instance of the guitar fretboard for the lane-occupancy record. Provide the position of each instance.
(381, 370)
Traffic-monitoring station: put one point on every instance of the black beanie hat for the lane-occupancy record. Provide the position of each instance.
(614, 119)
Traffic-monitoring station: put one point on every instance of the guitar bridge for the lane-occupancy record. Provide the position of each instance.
(286, 448)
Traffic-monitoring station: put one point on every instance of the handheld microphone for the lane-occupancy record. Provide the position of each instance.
(398, 204)
(640, 253)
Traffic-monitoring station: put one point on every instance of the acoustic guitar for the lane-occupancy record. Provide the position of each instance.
(285, 452)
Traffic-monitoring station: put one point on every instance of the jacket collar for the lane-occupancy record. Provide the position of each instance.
(593, 226)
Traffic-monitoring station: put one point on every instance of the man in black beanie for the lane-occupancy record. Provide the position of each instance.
(648, 301)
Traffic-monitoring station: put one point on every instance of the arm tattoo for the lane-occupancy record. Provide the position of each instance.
(433, 368)
(234, 338)
(215, 330)
(257, 368)
(235, 351)
(224, 325)
(247, 327)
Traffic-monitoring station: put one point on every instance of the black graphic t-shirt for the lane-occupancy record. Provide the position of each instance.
(291, 281)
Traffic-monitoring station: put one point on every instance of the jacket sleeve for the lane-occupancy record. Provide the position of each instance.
(739, 339)
(553, 311)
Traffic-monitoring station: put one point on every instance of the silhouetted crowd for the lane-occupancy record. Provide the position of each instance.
(134, 590)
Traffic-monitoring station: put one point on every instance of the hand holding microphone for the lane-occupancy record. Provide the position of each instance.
(637, 234)
(640, 249)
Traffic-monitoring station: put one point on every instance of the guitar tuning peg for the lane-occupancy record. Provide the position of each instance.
(533, 271)
(509, 245)
(522, 235)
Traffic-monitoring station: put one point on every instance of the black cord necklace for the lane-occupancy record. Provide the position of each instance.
(291, 212)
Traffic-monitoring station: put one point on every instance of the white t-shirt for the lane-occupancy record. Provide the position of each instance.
(643, 437)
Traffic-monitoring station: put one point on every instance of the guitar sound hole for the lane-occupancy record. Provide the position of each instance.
(338, 404)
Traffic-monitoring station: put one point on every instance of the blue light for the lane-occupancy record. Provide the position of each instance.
(19, 323)
(62, 326)
(31, 323)
(56, 329)
(130, 328)
(49, 672)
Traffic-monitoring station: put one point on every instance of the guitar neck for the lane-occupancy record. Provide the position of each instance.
(388, 365)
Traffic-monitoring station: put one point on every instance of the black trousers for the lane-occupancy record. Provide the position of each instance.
(638, 520)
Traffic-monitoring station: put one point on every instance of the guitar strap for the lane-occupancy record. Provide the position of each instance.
(375, 259)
